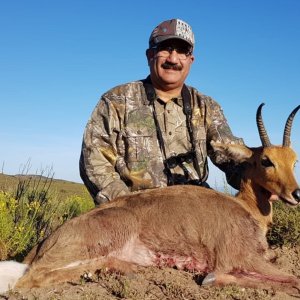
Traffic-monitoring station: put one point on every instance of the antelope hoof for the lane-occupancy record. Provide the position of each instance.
(209, 279)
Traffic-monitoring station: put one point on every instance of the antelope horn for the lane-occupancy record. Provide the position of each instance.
(288, 126)
(261, 128)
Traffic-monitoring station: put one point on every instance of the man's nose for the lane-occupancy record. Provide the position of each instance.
(173, 56)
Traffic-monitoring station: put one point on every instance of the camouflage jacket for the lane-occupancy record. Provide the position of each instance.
(121, 152)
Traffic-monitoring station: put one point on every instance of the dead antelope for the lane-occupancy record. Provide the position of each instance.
(188, 227)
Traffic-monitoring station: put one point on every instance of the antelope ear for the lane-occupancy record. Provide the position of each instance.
(236, 152)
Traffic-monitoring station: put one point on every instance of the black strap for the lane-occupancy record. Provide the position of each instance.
(187, 110)
(151, 96)
(186, 96)
(159, 133)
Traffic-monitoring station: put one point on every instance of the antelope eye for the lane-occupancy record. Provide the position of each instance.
(266, 162)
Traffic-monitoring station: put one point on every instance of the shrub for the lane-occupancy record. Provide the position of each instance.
(18, 220)
(31, 212)
(74, 206)
(285, 230)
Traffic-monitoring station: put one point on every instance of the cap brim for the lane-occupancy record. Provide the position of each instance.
(162, 38)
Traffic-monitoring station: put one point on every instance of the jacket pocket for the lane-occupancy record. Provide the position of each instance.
(139, 145)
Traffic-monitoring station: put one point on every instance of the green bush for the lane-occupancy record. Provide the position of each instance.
(285, 230)
(18, 220)
(75, 205)
(31, 212)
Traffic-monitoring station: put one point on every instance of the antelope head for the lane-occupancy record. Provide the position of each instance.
(275, 164)
(269, 169)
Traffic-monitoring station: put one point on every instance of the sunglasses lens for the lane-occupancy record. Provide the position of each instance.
(165, 51)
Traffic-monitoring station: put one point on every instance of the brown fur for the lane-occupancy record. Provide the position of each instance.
(189, 227)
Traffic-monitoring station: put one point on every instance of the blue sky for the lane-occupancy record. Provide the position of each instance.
(58, 57)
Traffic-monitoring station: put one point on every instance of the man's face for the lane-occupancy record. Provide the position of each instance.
(170, 63)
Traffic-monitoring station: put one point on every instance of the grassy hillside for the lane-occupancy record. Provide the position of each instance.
(62, 188)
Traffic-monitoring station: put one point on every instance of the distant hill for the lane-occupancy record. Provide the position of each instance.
(62, 187)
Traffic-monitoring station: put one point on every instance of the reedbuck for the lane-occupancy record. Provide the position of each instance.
(188, 227)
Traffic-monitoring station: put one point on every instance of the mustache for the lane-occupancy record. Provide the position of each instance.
(167, 65)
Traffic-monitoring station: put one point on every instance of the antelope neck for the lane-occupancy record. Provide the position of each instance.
(256, 200)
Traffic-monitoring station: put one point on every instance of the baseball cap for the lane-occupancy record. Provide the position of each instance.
(172, 29)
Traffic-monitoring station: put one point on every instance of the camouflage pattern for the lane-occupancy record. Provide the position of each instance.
(171, 29)
(121, 152)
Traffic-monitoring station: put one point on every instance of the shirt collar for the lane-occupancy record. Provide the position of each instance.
(176, 100)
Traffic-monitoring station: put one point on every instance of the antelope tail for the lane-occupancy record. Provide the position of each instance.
(10, 272)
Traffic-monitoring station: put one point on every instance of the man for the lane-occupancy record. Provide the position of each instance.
(155, 132)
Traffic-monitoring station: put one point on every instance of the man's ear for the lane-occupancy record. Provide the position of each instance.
(149, 54)
(238, 153)
(192, 58)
